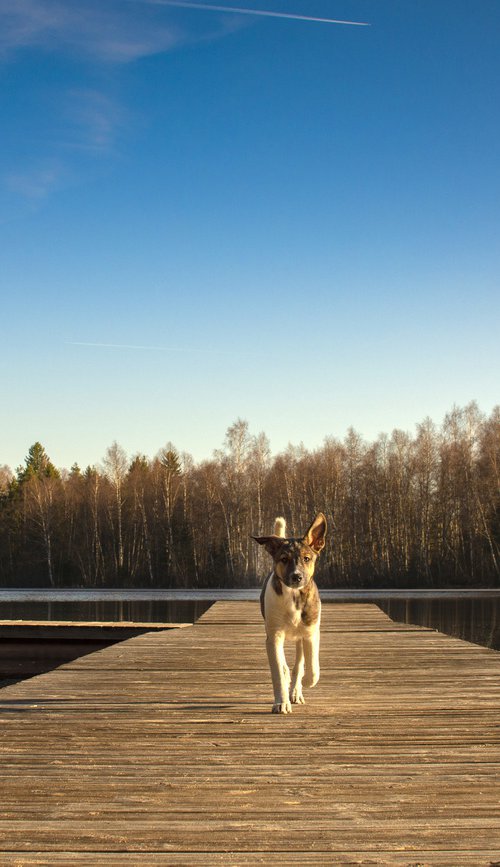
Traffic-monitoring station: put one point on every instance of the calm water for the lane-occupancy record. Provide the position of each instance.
(475, 620)
(106, 612)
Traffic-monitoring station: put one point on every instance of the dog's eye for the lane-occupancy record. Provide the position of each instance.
(284, 559)
(306, 559)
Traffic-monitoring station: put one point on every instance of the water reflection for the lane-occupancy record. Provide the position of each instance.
(131, 611)
(475, 620)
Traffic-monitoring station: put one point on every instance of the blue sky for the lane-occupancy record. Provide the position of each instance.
(292, 222)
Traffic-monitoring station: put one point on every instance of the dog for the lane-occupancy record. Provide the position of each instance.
(291, 608)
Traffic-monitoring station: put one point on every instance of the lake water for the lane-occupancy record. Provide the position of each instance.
(105, 612)
(475, 620)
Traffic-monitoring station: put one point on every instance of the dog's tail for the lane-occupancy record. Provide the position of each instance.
(280, 528)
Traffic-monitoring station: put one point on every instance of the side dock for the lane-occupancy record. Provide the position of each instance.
(162, 750)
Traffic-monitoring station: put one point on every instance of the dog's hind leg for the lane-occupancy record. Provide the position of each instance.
(279, 673)
(296, 696)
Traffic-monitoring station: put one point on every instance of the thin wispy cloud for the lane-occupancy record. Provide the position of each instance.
(94, 119)
(112, 33)
(35, 183)
(86, 121)
(244, 10)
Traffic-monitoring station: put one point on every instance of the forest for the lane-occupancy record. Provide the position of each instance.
(403, 511)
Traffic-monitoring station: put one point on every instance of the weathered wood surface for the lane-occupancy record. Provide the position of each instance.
(163, 750)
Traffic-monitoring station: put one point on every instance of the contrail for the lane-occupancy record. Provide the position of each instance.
(240, 10)
(133, 346)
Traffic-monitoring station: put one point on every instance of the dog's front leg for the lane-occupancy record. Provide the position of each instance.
(279, 668)
(296, 696)
(311, 654)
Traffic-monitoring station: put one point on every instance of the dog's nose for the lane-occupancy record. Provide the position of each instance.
(296, 577)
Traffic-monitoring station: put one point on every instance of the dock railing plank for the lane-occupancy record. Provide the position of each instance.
(162, 750)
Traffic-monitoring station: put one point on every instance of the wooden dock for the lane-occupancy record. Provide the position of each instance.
(162, 750)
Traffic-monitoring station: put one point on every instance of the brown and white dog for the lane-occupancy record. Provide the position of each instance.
(291, 608)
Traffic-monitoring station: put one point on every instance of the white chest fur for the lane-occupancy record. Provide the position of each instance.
(282, 614)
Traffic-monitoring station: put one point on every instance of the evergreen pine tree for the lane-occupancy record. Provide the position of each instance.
(37, 465)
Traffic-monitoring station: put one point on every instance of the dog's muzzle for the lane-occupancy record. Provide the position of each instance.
(295, 579)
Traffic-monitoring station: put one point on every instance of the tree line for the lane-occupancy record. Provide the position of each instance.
(421, 510)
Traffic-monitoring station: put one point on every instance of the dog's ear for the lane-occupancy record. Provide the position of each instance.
(315, 536)
(272, 544)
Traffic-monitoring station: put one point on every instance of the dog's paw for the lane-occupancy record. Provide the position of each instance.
(310, 678)
(283, 707)
(296, 696)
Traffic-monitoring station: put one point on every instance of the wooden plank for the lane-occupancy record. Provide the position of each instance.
(235, 859)
(162, 750)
